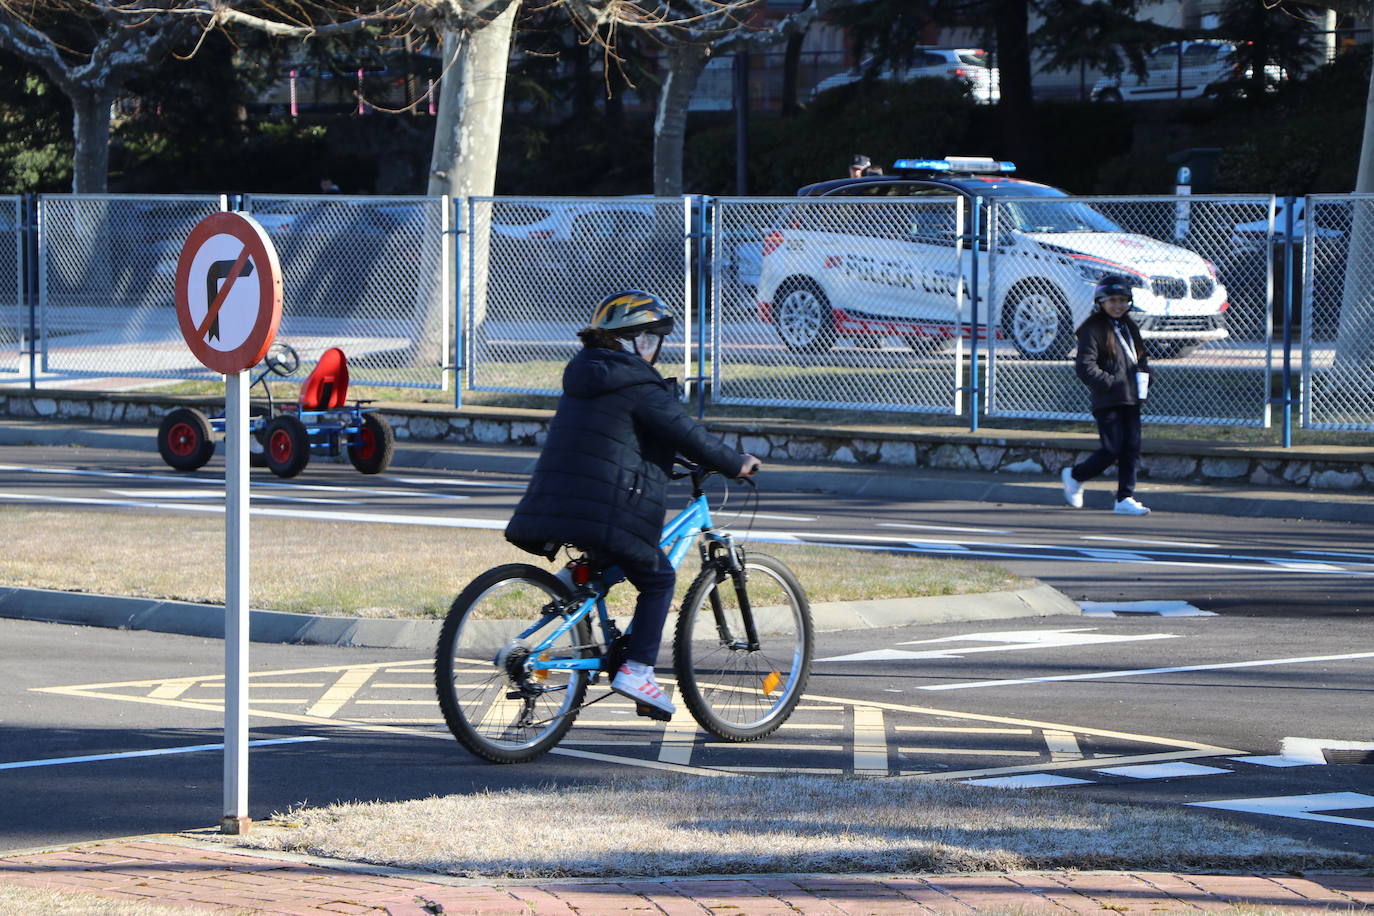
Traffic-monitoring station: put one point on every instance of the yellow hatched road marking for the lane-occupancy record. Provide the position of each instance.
(963, 730)
(679, 739)
(170, 690)
(870, 742)
(969, 751)
(1062, 745)
(343, 690)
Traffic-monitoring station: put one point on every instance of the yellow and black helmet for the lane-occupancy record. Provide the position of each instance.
(632, 312)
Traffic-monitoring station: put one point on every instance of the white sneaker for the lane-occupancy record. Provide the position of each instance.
(1129, 506)
(1073, 490)
(636, 681)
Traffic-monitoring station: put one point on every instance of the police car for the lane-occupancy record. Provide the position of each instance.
(877, 257)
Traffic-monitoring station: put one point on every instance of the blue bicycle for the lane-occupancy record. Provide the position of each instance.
(517, 651)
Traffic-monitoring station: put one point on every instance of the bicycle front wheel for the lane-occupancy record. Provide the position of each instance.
(493, 704)
(735, 690)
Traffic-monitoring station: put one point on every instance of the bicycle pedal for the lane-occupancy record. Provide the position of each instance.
(651, 712)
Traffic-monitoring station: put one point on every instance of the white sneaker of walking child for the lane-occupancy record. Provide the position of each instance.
(636, 681)
(1129, 506)
(1073, 490)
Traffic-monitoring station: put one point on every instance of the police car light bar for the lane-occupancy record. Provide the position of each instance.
(955, 164)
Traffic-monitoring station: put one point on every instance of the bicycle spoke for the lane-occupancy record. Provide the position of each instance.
(734, 691)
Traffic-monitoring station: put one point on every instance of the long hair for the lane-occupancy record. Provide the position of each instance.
(596, 338)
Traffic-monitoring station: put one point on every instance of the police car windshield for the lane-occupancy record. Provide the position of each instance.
(1053, 215)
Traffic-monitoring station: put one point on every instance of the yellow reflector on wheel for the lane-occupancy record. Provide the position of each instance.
(543, 673)
(771, 682)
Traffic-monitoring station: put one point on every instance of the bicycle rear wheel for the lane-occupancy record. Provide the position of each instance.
(735, 692)
(493, 705)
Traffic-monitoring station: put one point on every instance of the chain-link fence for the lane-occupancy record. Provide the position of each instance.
(13, 314)
(536, 266)
(1201, 300)
(845, 303)
(370, 275)
(1337, 234)
(106, 274)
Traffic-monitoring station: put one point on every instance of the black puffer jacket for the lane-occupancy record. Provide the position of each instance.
(1103, 365)
(601, 479)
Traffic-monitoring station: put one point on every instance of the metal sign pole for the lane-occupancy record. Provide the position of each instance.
(236, 820)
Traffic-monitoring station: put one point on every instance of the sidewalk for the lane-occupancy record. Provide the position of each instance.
(176, 871)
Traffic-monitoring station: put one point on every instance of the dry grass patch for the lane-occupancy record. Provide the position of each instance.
(366, 570)
(17, 899)
(724, 825)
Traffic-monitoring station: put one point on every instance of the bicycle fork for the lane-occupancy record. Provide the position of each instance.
(725, 556)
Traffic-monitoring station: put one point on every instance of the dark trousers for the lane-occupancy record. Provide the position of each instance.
(655, 584)
(1119, 430)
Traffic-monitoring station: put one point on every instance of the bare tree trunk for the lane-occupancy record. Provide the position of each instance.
(91, 131)
(467, 141)
(467, 135)
(1355, 339)
(685, 63)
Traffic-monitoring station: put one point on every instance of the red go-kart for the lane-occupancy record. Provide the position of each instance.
(284, 435)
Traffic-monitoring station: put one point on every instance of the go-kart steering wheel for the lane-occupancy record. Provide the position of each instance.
(282, 359)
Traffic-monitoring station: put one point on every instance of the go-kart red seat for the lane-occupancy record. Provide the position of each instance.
(327, 387)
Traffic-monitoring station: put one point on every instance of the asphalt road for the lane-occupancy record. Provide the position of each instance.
(1251, 566)
(1288, 656)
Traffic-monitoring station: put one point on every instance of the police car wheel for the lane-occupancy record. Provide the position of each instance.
(1037, 324)
(803, 317)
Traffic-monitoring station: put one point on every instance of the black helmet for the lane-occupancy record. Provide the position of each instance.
(1112, 285)
(630, 313)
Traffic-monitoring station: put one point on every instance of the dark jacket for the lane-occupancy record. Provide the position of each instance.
(1103, 365)
(601, 479)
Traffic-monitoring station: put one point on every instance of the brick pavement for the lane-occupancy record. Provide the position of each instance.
(209, 876)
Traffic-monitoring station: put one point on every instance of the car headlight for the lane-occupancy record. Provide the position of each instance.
(1094, 270)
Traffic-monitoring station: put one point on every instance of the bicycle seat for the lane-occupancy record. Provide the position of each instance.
(327, 387)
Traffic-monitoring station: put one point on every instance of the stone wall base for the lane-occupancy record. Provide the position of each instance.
(1321, 468)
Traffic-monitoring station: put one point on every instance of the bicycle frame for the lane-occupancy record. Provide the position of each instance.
(678, 536)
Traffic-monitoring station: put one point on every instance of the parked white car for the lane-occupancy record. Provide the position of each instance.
(967, 64)
(889, 264)
(1204, 68)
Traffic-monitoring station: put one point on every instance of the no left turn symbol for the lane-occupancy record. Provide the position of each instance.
(228, 292)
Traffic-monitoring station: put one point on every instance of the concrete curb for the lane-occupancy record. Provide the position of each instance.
(206, 620)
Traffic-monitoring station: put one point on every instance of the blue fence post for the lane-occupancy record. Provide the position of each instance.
(29, 222)
(973, 304)
(1287, 405)
(458, 231)
(705, 260)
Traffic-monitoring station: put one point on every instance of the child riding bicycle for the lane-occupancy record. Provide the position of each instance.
(601, 480)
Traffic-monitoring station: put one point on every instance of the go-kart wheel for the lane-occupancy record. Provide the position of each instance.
(185, 439)
(370, 450)
(282, 359)
(287, 446)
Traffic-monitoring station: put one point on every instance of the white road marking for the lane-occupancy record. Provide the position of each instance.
(125, 755)
(1163, 770)
(945, 528)
(1336, 553)
(1159, 608)
(1309, 750)
(211, 494)
(1102, 675)
(1013, 641)
(219, 482)
(1027, 781)
(1274, 760)
(1146, 543)
(1301, 807)
(455, 482)
(1248, 563)
(367, 517)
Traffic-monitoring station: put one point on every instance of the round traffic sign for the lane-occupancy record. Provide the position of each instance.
(228, 292)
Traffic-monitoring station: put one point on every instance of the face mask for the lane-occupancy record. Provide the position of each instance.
(647, 346)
